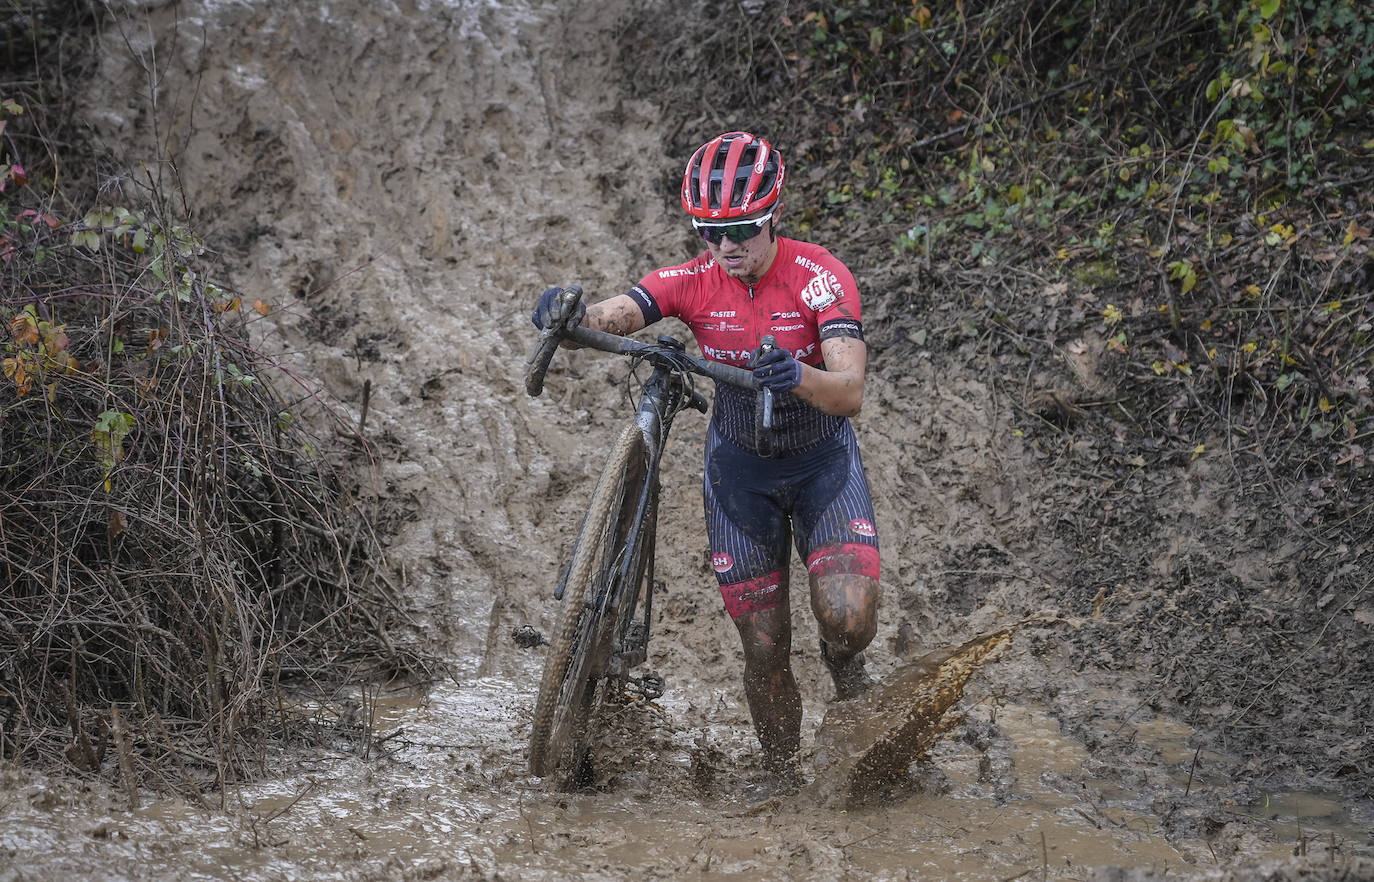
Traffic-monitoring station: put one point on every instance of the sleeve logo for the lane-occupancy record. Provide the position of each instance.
(722, 562)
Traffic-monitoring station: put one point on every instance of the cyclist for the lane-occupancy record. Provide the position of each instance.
(811, 490)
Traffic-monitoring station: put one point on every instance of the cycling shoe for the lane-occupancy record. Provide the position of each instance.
(850, 676)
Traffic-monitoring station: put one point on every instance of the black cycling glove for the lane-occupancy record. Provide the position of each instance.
(778, 370)
(549, 311)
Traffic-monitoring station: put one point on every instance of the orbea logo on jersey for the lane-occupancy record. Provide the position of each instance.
(862, 527)
(722, 562)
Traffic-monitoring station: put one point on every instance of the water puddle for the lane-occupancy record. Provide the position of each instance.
(446, 792)
(1305, 815)
(1293, 816)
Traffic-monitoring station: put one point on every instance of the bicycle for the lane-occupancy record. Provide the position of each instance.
(603, 629)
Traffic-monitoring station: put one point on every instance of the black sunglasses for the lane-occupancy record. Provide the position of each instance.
(736, 232)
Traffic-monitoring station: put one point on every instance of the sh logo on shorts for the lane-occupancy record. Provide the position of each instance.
(722, 562)
(861, 527)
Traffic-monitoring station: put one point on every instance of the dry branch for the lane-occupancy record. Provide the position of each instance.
(177, 546)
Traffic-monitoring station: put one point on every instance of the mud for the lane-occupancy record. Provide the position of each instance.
(397, 181)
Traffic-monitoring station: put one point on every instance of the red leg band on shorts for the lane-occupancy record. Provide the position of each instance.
(848, 557)
(754, 595)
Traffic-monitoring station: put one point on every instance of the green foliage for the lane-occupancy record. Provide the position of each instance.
(1293, 72)
(170, 250)
(111, 428)
(37, 351)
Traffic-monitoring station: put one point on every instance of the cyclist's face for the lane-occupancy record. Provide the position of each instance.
(750, 259)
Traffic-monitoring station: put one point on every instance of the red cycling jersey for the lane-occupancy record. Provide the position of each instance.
(806, 296)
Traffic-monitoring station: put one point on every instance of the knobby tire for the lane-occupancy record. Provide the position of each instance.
(579, 648)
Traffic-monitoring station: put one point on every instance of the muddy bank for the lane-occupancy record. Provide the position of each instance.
(396, 181)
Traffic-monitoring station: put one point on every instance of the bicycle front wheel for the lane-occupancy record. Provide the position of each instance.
(586, 633)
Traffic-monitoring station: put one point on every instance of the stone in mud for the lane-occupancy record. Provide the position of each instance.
(870, 741)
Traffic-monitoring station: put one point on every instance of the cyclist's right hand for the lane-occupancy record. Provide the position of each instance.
(549, 312)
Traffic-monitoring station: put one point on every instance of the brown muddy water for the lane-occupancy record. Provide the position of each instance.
(438, 791)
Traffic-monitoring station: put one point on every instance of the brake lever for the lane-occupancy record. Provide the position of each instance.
(763, 433)
(767, 345)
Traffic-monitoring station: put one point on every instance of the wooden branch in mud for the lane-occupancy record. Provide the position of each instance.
(367, 399)
(125, 752)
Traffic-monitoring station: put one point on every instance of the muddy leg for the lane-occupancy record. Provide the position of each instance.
(846, 609)
(774, 700)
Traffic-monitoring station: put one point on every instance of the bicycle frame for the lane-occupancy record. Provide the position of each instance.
(664, 395)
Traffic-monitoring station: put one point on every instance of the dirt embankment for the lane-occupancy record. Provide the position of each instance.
(397, 181)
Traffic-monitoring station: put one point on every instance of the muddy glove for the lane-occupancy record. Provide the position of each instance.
(778, 371)
(549, 311)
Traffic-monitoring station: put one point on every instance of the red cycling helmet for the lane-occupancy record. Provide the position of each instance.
(732, 175)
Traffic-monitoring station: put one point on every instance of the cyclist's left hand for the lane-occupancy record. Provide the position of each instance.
(778, 371)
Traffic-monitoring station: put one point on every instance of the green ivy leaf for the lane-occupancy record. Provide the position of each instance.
(108, 434)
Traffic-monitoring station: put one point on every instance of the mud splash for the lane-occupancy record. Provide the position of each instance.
(871, 741)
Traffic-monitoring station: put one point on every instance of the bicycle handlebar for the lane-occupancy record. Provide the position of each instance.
(551, 336)
(618, 345)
